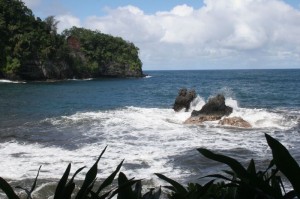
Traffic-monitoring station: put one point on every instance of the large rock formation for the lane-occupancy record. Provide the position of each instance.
(214, 106)
(184, 99)
(235, 121)
(213, 110)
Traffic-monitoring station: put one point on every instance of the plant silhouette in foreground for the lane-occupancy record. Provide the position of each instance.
(244, 183)
(66, 189)
(238, 183)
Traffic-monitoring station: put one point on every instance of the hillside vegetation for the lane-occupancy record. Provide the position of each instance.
(31, 49)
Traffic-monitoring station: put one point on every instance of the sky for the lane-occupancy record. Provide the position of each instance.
(191, 34)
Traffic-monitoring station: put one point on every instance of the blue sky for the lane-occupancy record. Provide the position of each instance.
(191, 34)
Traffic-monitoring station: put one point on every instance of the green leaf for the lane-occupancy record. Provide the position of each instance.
(248, 179)
(119, 190)
(126, 192)
(69, 190)
(62, 183)
(251, 168)
(232, 163)
(89, 178)
(157, 194)
(70, 186)
(110, 178)
(138, 190)
(206, 187)
(179, 188)
(7, 189)
(285, 163)
(34, 183)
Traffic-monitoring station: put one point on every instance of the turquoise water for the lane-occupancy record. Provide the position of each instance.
(54, 123)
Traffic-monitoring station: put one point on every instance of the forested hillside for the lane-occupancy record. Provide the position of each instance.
(31, 49)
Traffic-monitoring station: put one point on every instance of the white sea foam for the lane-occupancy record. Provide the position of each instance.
(75, 79)
(258, 118)
(147, 138)
(13, 82)
(197, 103)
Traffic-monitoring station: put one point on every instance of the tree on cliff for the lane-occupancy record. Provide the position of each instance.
(24, 38)
(51, 24)
(106, 54)
(31, 49)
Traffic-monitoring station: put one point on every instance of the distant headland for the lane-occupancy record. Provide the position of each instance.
(31, 49)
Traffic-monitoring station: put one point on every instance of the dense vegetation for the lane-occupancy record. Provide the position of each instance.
(237, 183)
(32, 49)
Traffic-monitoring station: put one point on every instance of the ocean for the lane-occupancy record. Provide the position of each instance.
(56, 123)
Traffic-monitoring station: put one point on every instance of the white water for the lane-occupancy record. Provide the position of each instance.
(9, 81)
(148, 139)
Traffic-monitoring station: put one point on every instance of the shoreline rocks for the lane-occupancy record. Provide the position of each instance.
(214, 106)
(236, 122)
(202, 118)
(213, 110)
(184, 99)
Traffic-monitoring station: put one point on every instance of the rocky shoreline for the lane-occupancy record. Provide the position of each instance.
(214, 110)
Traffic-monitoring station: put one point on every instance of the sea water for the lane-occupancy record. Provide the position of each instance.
(56, 123)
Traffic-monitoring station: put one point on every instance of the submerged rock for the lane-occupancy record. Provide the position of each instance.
(213, 110)
(184, 99)
(235, 121)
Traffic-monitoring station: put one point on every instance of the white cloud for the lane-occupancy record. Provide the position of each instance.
(129, 22)
(222, 33)
(31, 3)
(67, 21)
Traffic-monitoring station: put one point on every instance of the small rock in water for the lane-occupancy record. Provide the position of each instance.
(184, 99)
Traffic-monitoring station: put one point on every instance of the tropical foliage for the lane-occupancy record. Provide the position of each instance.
(237, 183)
(31, 48)
(244, 183)
(102, 50)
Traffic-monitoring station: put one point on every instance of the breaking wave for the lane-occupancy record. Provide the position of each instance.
(149, 139)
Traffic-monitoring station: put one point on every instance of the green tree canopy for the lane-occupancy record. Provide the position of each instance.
(31, 48)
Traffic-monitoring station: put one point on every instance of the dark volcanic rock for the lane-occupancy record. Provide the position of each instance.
(213, 110)
(184, 99)
(214, 106)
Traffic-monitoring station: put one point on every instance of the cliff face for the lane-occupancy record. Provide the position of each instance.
(119, 70)
(49, 70)
(58, 70)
